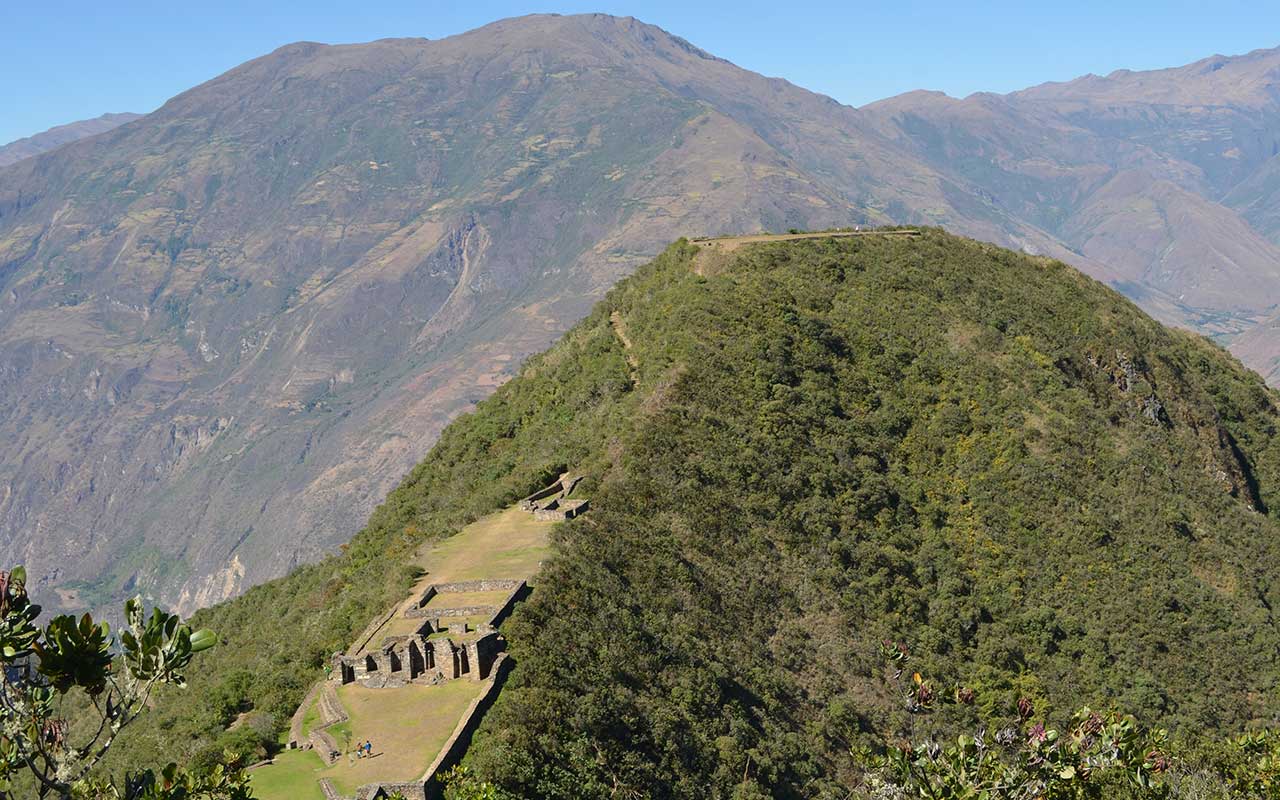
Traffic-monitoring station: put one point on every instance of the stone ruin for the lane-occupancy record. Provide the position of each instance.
(553, 503)
(444, 647)
(417, 658)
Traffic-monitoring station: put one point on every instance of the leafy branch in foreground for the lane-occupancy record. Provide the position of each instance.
(40, 668)
(1096, 756)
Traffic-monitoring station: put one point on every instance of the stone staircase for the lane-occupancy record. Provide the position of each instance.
(330, 792)
(324, 744)
(331, 710)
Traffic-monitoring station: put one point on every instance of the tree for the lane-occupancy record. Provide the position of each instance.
(39, 669)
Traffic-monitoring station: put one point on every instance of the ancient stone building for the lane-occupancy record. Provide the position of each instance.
(444, 647)
(553, 502)
(422, 657)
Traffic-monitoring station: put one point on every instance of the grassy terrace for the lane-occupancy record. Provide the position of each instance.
(408, 726)
(508, 544)
(293, 774)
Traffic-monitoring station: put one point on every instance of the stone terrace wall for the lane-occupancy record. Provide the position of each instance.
(518, 593)
(496, 585)
(419, 610)
(461, 611)
(454, 749)
(372, 630)
(424, 598)
(295, 724)
(379, 791)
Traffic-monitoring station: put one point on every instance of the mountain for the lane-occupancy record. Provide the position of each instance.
(228, 328)
(795, 451)
(1160, 175)
(60, 135)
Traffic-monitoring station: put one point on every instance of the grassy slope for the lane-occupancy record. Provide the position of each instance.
(830, 443)
(293, 776)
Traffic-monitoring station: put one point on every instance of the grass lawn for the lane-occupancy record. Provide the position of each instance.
(508, 544)
(292, 776)
(310, 718)
(407, 726)
(464, 599)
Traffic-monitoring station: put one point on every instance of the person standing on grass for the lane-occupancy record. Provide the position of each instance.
(368, 748)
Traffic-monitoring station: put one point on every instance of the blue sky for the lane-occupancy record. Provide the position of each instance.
(62, 61)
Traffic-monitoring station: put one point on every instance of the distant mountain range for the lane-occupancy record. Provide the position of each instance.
(1162, 178)
(227, 329)
(60, 135)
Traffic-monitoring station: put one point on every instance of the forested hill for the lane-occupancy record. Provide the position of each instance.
(799, 450)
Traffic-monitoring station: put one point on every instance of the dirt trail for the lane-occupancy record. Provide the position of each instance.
(620, 330)
(728, 243)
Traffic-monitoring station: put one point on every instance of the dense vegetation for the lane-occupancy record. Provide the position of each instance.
(807, 449)
(985, 455)
(41, 755)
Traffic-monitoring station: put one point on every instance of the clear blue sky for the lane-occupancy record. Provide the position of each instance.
(66, 60)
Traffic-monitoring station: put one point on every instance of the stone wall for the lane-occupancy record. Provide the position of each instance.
(426, 596)
(372, 630)
(495, 585)
(419, 611)
(295, 724)
(518, 593)
(330, 792)
(380, 791)
(456, 747)
(464, 611)
(561, 509)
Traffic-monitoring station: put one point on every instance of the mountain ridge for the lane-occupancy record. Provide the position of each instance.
(59, 135)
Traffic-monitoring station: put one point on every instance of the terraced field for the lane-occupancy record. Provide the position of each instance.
(408, 725)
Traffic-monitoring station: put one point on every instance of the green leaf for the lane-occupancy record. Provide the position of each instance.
(203, 640)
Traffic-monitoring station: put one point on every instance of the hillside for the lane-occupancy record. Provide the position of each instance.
(228, 328)
(62, 134)
(796, 450)
(987, 456)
